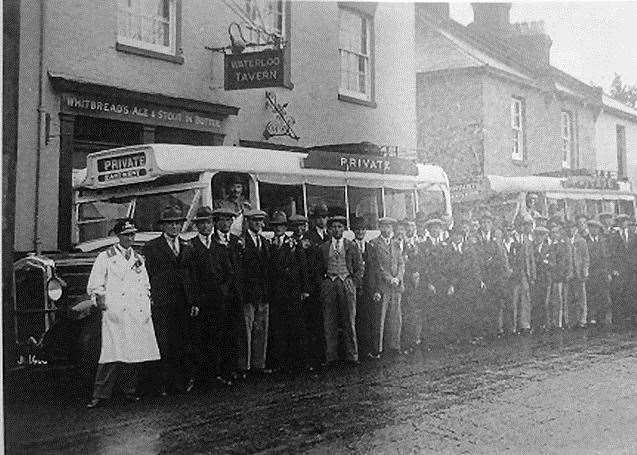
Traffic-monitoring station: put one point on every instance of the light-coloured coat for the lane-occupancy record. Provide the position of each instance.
(127, 328)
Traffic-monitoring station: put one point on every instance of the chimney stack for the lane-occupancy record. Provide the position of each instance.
(491, 16)
(437, 10)
(528, 37)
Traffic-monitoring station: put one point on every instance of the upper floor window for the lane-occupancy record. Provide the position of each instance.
(148, 24)
(517, 128)
(267, 17)
(567, 138)
(354, 44)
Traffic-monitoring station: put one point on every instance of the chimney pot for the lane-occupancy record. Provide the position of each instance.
(494, 16)
(440, 10)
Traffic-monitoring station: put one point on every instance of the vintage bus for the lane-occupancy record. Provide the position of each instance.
(139, 181)
(568, 193)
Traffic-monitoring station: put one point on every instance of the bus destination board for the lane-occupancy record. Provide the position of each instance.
(121, 167)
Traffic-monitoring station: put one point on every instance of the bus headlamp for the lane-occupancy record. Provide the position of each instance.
(54, 289)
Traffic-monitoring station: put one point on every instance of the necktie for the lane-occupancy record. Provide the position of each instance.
(176, 246)
(127, 254)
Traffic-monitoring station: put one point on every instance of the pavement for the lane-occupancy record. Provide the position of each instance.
(568, 392)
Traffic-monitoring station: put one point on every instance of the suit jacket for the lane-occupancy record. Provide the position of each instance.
(390, 262)
(412, 263)
(315, 238)
(255, 265)
(599, 257)
(432, 263)
(462, 267)
(580, 259)
(542, 261)
(620, 257)
(353, 260)
(216, 271)
(559, 261)
(171, 283)
(289, 268)
(494, 261)
(369, 257)
(522, 260)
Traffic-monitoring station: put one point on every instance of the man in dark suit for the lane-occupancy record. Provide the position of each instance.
(290, 290)
(559, 266)
(313, 238)
(174, 301)
(390, 271)
(341, 269)
(495, 271)
(620, 242)
(216, 275)
(524, 274)
(256, 293)
(433, 279)
(599, 276)
(540, 311)
(410, 305)
(367, 309)
(575, 297)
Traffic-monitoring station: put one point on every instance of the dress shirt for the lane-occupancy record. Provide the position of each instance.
(126, 252)
(256, 239)
(173, 243)
(205, 239)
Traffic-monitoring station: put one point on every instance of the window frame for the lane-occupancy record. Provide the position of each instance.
(171, 53)
(345, 94)
(518, 130)
(568, 140)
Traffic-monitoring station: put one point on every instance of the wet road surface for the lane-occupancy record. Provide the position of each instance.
(558, 393)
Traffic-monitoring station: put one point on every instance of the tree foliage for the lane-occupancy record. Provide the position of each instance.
(625, 93)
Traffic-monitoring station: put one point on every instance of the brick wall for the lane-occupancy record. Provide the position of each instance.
(449, 117)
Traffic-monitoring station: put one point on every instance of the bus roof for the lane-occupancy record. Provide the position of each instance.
(271, 166)
(555, 187)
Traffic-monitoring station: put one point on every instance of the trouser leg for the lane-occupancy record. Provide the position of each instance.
(347, 310)
(128, 374)
(260, 330)
(245, 351)
(394, 321)
(329, 298)
(362, 322)
(515, 307)
(382, 319)
(524, 310)
(105, 379)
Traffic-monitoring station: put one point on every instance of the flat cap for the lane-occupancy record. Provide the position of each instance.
(387, 220)
(255, 213)
(595, 223)
(278, 217)
(221, 211)
(337, 219)
(297, 219)
(437, 221)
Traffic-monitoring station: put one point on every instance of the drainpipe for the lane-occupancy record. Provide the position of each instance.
(36, 230)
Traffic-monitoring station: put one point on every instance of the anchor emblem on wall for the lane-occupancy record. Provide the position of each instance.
(281, 123)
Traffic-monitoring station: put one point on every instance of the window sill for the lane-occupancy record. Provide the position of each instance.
(351, 99)
(148, 53)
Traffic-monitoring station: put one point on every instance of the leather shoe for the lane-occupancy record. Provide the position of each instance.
(96, 403)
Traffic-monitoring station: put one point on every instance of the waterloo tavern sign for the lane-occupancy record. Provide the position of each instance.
(254, 70)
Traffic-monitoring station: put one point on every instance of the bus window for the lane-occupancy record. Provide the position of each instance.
(231, 190)
(284, 198)
(399, 204)
(593, 207)
(97, 218)
(148, 207)
(332, 196)
(432, 203)
(608, 206)
(365, 203)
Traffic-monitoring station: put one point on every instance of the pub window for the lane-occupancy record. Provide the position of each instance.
(331, 196)
(282, 198)
(399, 204)
(354, 48)
(365, 203)
(267, 18)
(148, 24)
(567, 138)
(517, 129)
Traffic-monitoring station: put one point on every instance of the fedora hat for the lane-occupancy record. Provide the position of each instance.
(255, 213)
(203, 214)
(171, 213)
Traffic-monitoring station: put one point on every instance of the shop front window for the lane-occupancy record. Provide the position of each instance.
(283, 198)
(365, 203)
(399, 204)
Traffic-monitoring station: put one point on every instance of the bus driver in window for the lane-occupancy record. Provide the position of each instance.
(235, 198)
